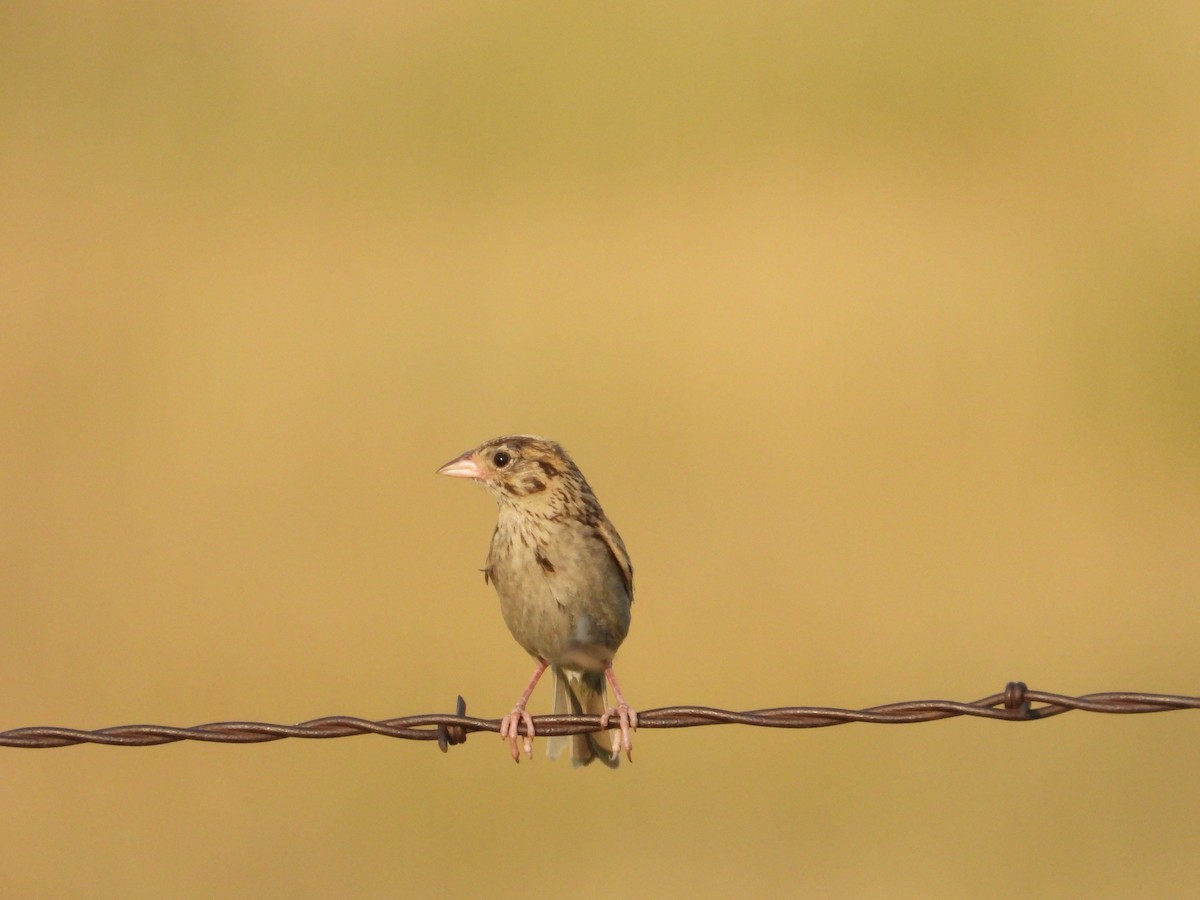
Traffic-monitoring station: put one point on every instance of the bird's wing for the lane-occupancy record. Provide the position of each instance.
(616, 547)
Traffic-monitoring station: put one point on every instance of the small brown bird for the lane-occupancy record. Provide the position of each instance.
(565, 584)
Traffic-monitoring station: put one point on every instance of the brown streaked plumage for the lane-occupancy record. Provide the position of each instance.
(565, 584)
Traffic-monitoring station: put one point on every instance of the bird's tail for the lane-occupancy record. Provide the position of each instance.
(581, 693)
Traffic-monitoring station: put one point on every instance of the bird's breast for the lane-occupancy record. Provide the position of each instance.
(562, 595)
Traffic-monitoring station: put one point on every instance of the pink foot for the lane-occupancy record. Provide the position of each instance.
(627, 720)
(509, 726)
(626, 717)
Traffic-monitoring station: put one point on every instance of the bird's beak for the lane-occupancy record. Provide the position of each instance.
(463, 467)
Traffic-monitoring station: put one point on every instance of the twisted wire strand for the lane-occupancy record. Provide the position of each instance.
(1016, 703)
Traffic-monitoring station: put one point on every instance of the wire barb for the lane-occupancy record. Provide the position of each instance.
(1016, 703)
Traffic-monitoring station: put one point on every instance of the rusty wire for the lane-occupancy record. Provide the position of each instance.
(1015, 704)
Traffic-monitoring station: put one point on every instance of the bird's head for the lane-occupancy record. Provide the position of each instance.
(521, 469)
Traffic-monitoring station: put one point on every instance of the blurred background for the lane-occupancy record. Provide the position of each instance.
(875, 327)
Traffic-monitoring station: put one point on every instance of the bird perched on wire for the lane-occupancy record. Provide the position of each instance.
(565, 584)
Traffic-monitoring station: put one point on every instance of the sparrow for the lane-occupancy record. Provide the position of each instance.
(565, 584)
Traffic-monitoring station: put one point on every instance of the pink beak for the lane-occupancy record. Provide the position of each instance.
(463, 467)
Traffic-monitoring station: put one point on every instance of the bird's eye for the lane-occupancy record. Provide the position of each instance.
(501, 459)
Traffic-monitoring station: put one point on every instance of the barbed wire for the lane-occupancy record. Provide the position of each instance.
(1016, 703)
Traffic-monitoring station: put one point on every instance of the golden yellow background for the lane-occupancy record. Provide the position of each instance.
(876, 328)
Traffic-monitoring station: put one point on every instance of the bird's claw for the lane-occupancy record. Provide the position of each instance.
(510, 731)
(627, 721)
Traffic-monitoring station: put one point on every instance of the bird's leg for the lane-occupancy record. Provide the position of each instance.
(510, 723)
(625, 716)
